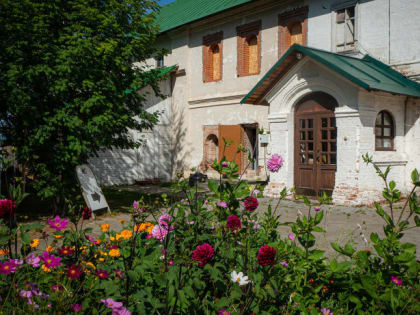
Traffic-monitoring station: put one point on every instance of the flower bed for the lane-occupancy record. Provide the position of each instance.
(208, 255)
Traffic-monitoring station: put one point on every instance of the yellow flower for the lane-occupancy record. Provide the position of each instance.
(89, 264)
(126, 234)
(105, 228)
(49, 249)
(57, 236)
(112, 238)
(101, 259)
(250, 188)
(122, 221)
(34, 243)
(4, 252)
(114, 252)
(46, 269)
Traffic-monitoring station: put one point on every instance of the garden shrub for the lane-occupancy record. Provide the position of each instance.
(209, 253)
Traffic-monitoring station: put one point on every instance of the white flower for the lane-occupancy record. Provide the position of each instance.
(240, 278)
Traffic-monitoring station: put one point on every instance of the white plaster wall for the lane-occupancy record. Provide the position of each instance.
(153, 159)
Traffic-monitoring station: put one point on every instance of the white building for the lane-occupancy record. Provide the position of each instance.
(347, 88)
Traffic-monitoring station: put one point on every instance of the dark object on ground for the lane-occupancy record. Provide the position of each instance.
(196, 178)
(147, 181)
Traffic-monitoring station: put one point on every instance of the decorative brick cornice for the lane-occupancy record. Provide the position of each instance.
(287, 19)
(244, 32)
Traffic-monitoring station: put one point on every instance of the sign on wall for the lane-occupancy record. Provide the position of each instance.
(91, 191)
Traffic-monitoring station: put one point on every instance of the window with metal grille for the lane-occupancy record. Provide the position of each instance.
(384, 131)
(345, 34)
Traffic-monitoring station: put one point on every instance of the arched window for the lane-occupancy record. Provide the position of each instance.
(211, 148)
(296, 35)
(215, 60)
(252, 43)
(384, 131)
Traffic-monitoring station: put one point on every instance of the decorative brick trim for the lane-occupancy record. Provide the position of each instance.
(208, 42)
(286, 20)
(244, 33)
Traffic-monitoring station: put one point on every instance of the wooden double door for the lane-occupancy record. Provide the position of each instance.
(315, 144)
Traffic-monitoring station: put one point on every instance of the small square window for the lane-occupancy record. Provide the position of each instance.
(345, 29)
(159, 62)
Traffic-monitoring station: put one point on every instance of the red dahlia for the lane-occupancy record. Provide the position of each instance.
(65, 251)
(87, 213)
(266, 255)
(251, 203)
(233, 222)
(203, 253)
(7, 209)
(102, 274)
(73, 272)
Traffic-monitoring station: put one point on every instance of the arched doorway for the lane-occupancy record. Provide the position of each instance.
(315, 144)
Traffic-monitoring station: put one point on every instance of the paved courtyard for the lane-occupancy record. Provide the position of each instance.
(342, 224)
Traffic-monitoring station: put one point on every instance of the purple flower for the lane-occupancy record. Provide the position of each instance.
(275, 163)
(17, 262)
(76, 307)
(136, 205)
(159, 232)
(326, 311)
(396, 280)
(110, 303)
(317, 209)
(283, 263)
(58, 224)
(7, 268)
(164, 221)
(33, 260)
(50, 261)
(225, 164)
(222, 204)
(25, 294)
(223, 312)
(118, 273)
(291, 237)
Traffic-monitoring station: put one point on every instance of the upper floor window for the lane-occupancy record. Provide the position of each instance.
(345, 29)
(249, 49)
(292, 28)
(159, 62)
(212, 57)
(384, 131)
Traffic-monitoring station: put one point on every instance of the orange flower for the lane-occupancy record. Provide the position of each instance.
(122, 221)
(147, 226)
(57, 236)
(4, 252)
(49, 249)
(112, 238)
(34, 243)
(114, 252)
(101, 259)
(126, 234)
(105, 228)
(89, 264)
(46, 269)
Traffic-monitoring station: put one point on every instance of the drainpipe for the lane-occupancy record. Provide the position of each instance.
(405, 134)
(389, 31)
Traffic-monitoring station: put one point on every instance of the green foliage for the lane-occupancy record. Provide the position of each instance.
(66, 75)
(161, 277)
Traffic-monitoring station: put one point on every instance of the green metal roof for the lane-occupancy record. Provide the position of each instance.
(158, 73)
(183, 12)
(367, 72)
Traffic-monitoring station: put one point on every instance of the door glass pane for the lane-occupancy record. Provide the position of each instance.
(378, 142)
(310, 123)
(378, 119)
(324, 159)
(302, 123)
(302, 135)
(324, 146)
(302, 147)
(302, 159)
(310, 158)
(310, 135)
(333, 134)
(387, 119)
(387, 143)
(324, 122)
(332, 122)
(333, 146)
(387, 132)
(310, 146)
(324, 134)
(333, 159)
(378, 131)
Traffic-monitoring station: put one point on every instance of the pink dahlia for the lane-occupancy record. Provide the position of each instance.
(396, 280)
(223, 312)
(291, 237)
(233, 222)
(58, 223)
(251, 203)
(326, 311)
(7, 267)
(164, 221)
(76, 307)
(33, 260)
(50, 261)
(266, 255)
(159, 232)
(275, 163)
(222, 204)
(203, 253)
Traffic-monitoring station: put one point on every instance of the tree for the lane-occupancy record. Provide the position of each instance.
(66, 72)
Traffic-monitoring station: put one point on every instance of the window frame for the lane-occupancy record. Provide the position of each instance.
(382, 126)
(285, 21)
(245, 32)
(160, 61)
(209, 42)
(350, 47)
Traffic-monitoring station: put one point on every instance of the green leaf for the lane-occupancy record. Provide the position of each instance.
(213, 186)
(318, 229)
(374, 237)
(415, 176)
(318, 217)
(306, 201)
(417, 220)
(392, 185)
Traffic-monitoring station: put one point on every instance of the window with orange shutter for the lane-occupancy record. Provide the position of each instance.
(212, 57)
(249, 49)
(292, 28)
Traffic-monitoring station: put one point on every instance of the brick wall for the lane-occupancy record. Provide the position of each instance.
(211, 44)
(286, 21)
(246, 34)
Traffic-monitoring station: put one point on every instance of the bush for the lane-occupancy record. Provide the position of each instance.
(210, 254)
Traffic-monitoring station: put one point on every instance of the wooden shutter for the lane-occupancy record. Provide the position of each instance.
(232, 133)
